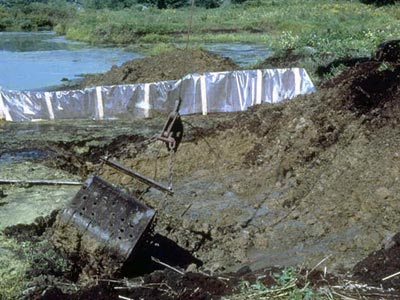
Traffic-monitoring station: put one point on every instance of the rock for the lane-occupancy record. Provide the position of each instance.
(125, 180)
(191, 268)
(186, 223)
(214, 232)
(243, 271)
(388, 242)
(205, 228)
(2, 194)
(383, 193)
(214, 267)
(260, 241)
(243, 241)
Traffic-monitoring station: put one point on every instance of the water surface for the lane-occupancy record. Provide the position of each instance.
(41, 60)
(34, 61)
(244, 54)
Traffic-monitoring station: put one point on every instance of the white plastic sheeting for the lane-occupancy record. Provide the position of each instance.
(200, 93)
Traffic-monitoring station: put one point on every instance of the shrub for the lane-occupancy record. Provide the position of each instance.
(208, 3)
(379, 2)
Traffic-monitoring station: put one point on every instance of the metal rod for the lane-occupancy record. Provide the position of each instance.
(38, 182)
(144, 179)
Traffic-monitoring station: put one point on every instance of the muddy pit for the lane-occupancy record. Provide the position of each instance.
(291, 184)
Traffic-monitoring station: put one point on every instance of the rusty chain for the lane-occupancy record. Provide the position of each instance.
(171, 164)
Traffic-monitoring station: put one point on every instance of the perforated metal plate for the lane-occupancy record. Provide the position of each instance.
(103, 219)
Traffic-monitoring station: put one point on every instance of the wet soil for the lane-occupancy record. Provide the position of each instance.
(314, 179)
(163, 285)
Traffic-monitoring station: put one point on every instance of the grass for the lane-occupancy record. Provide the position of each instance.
(16, 258)
(13, 266)
(340, 28)
(332, 29)
(35, 16)
(290, 285)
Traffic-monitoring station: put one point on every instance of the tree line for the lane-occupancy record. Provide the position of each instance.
(118, 4)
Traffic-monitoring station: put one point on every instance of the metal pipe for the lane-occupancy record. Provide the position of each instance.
(149, 181)
(38, 182)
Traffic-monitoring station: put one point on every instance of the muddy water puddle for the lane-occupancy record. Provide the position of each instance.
(24, 155)
(24, 203)
(28, 151)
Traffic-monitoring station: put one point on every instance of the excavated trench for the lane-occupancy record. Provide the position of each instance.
(308, 180)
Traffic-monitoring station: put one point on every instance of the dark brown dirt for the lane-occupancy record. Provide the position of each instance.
(286, 59)
(171, 65)
(380, 264)
(372, 86)
(162, 285)
(31, 232)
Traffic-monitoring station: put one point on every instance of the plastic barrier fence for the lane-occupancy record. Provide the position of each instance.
(200, 93)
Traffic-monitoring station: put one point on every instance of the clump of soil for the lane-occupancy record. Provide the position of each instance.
(31, 232)
(381, 264)
(171, 65)
(287, 59)
(372, 86)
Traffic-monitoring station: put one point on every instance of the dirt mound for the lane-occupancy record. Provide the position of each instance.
(162, 285)
(372, 86)
(299, 181)
(170, 65)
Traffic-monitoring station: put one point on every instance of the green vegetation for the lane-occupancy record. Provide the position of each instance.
(290, 285)
(13, 266)
(340, 28)
(380, 2)
(346, 28)
(323, 30)
(18, 258)
(32, 16)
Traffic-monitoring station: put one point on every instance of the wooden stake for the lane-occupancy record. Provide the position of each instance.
(390, 276)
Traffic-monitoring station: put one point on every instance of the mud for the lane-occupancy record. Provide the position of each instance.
(380, 265)
(163, 285)
(312, 179)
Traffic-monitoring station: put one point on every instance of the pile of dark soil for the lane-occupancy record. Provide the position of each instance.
(170, 65)
(373, 88)
(162, 285)
(380, 265)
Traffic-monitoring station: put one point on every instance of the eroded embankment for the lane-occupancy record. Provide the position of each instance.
(287, 184)
(290, 183)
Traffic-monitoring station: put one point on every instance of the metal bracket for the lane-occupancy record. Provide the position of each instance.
(172, 132)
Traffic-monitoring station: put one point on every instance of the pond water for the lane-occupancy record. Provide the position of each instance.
(41, 60)
(243, 54)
